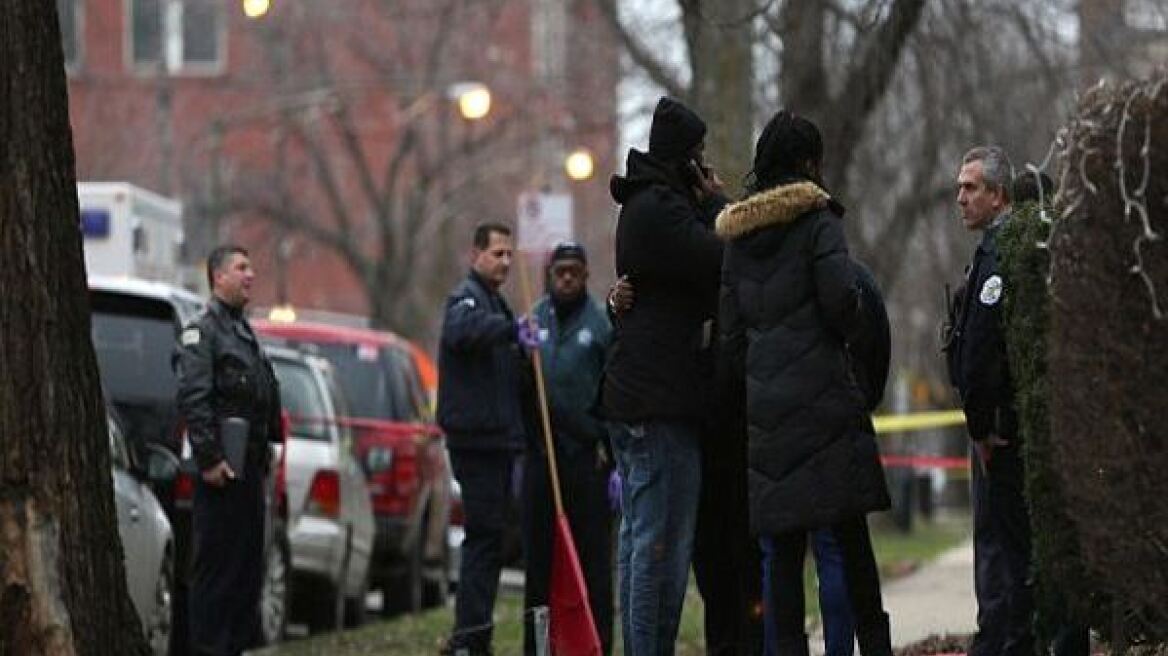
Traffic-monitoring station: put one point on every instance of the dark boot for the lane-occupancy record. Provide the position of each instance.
(874, 638)
(468, 643)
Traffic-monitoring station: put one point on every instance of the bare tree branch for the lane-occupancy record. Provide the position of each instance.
(325, 176)
(873, 65)
(657, 70)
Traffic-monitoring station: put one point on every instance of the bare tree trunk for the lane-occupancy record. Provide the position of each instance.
(873, 60)
(62, 583)
(1101, 39)
(720, 38)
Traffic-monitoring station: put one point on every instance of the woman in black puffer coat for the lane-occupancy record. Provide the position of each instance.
(789, 301)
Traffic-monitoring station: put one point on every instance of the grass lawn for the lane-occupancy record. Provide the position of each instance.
(421, 634)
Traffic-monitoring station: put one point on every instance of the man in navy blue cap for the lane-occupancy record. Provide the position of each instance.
(575, 338)
(656, 393)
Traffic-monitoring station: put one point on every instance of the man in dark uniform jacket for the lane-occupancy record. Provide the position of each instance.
(480, 364)
(225, 382)
(574, 337)
(978, 368)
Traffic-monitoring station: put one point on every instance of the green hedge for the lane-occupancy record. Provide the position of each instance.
(1062, 592)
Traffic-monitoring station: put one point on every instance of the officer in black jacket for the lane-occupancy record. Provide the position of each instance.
(226, 383)
(480, 367)
(978, 367)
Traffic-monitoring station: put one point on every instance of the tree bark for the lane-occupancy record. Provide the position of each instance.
(720, 39)
(871, 63)
(1102, 47)
(62, 582)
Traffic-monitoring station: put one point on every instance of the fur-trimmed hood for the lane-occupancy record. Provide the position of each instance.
(782, 204)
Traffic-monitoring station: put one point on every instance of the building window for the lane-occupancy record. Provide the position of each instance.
(69, 14)
(187, 36)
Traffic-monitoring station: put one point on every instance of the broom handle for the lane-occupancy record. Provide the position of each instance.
(541, 390)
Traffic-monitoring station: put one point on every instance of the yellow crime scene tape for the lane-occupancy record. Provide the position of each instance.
(914, 421)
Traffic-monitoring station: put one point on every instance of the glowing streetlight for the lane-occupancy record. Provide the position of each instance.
(256, 8)
(579, 165)
(474, 99)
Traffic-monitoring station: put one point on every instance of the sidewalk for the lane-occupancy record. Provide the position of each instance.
(936, 599)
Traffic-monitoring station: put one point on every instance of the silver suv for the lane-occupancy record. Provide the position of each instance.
(330, 519)
(147, 541)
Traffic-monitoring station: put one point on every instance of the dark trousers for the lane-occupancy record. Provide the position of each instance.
(785, 603)
(227, 565)
(835, 609)
(486, 481)
(1001, 556)
(584, 485)
(726, 559)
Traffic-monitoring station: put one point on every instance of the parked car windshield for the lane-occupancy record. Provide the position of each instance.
(134, 339)
(372, 380)
(302, 398)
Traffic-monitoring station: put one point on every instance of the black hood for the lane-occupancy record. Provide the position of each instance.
(643, 170)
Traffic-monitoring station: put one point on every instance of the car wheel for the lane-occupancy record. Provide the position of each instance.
(436, 583)
(355, 607)
(274, 593)
(317, 602)
(158, 632)
(405, 594)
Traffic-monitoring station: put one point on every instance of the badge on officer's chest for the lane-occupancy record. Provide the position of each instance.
(190, 337)
(991, 291)
(584, 337)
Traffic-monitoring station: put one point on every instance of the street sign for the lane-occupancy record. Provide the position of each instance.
(544, 220)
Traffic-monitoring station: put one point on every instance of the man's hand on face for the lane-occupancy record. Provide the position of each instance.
(219, 474)
(708, 182)
(621, 297)
(712, 184)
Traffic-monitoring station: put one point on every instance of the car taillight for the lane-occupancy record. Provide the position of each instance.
(405, 474)
(324, 498)
(281, 486)
(184, 489)
(285, 425)
(457, 518)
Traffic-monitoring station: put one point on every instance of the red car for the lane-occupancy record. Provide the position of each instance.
(401, 449)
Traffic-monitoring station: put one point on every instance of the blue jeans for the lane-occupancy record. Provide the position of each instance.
(834, 606)
(660, 467)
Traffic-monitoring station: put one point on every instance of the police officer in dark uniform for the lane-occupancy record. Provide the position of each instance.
(226, 391)
(978, 368)
(481, 407)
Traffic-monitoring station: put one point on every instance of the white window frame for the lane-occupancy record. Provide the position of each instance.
(172, 43)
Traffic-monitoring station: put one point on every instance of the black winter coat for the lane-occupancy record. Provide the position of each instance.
(976, 350)
(223, 372)
(789, 299)
(480, 371)
(661, 361)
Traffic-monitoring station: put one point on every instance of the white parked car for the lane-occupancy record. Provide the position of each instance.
(147, 541)
(330, 518)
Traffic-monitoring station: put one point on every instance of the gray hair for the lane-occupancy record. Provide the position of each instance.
(996, 170)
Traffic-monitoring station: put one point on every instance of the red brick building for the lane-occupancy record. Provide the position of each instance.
(322, 135)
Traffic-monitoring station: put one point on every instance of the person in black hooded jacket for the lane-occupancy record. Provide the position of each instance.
(655, 393)
(789, 302)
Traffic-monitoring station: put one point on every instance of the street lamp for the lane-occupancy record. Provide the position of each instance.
(256, 8)
(474, 99)
(579, 164)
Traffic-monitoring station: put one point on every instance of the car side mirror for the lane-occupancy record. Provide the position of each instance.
(161, 465)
